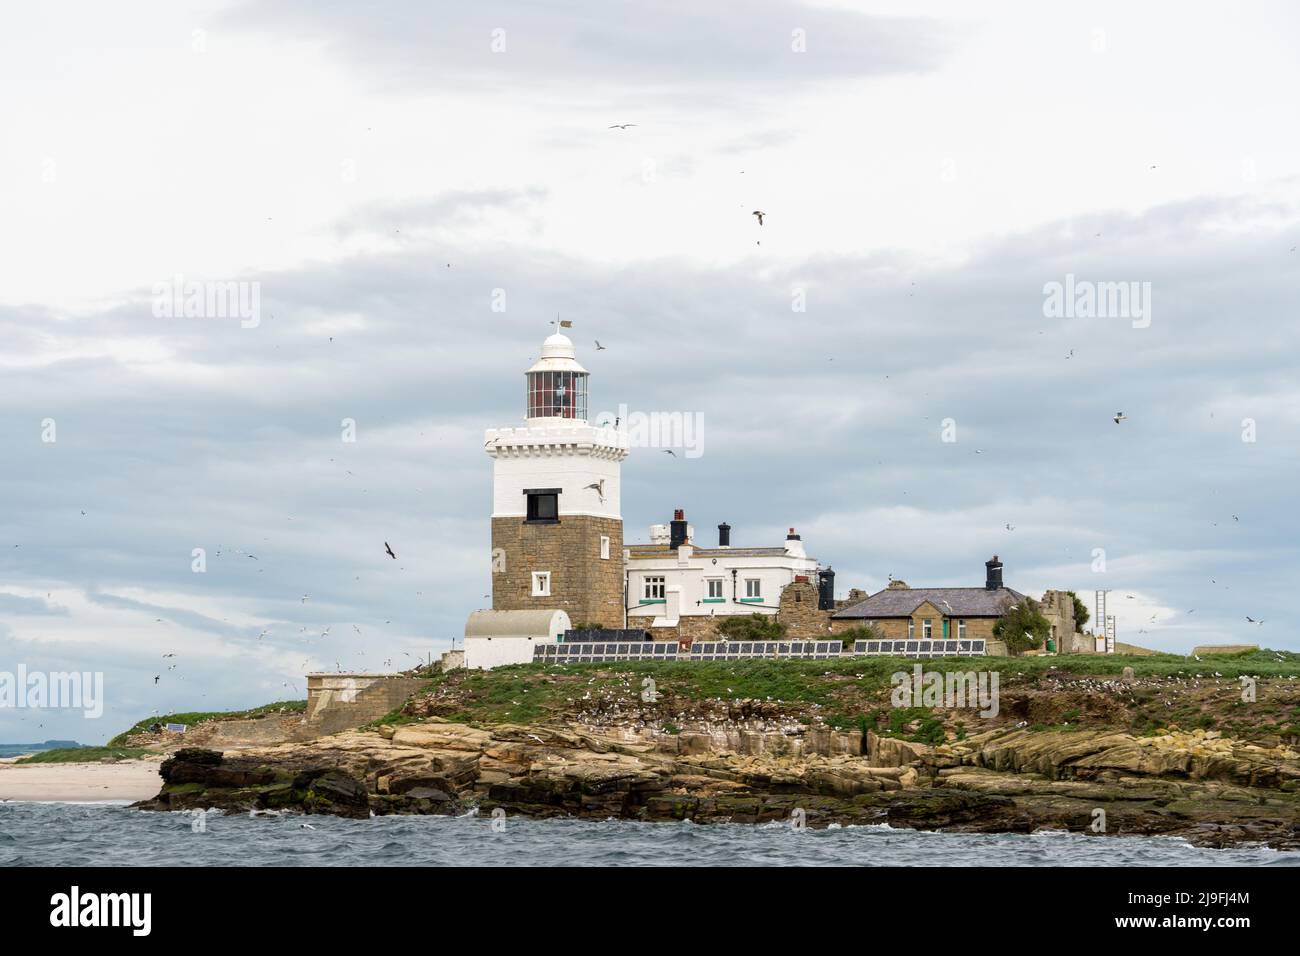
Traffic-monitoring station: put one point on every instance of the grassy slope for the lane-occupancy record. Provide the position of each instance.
(199, 717)
(848, 693)
(84, 755)
(116, 749)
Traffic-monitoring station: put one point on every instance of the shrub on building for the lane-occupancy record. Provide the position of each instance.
(1081, 614)
(752, 627)
(1022, 626)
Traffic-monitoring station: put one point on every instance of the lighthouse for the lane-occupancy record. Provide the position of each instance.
(557, 531)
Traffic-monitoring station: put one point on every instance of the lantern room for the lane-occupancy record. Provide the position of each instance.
(557, 384)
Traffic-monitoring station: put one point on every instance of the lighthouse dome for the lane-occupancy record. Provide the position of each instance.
(558, 355)
(557, 384)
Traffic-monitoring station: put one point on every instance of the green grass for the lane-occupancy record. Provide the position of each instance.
(85, 754)
(845, 692)
(793, 680)
(199, 717)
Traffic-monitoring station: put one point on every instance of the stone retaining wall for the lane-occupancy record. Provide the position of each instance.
(337, 702)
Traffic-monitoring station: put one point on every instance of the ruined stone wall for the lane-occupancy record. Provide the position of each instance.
(856, 596)
(1058, 608)
(337, 702)
(798, 611)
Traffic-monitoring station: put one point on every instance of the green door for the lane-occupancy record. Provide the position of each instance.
(945, 629)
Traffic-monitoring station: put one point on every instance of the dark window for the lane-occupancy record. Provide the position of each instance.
(544, 504)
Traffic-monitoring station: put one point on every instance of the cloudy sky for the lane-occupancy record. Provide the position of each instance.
(382, 174)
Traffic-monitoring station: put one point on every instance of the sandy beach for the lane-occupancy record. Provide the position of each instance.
(79, 782)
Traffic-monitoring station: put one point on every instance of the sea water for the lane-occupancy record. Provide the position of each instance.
(49, 834)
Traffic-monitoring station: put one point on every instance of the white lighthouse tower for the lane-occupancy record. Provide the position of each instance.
(557, 531)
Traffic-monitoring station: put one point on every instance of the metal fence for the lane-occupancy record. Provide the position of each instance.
(583, 651)
(579, 652)
(971, 648)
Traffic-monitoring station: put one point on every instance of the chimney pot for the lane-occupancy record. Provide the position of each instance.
(677, 530)
(993, 574)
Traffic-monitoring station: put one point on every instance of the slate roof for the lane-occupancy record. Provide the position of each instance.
(961, 602)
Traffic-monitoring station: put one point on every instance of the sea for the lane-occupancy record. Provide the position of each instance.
(113, 834)
(17, 750)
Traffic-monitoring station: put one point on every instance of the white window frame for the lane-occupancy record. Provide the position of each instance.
(653, 588)
(709, 588)
(753, 587)
(927, 629)
(961, 629)
(541, 584)
(604, 547)
(911, 628)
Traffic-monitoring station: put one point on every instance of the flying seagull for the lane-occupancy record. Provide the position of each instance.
(599, 347)
(599, 488)
(622, 125)
(1120, 417)
(390, 551)
(669, 451)
(759, 214)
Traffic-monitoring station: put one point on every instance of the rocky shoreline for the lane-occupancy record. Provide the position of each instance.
(1211, 790)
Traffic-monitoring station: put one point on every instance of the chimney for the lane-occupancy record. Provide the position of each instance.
(677, 530)
(992, 574)
(825, 589)
(724, 535)
(794, 545)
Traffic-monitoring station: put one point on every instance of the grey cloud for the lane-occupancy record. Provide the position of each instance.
(18, 604)
(656, 48)
(441, 212)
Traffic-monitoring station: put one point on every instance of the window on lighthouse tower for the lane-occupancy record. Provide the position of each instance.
(543, 505)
